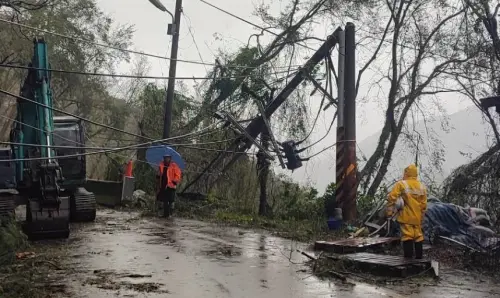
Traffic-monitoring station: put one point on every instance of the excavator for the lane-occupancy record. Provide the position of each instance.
(52, 188)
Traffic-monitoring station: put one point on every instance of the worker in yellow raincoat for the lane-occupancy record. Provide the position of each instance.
(408, 202)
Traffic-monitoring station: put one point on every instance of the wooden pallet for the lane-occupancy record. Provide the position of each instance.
(354, 244)
(397, 266)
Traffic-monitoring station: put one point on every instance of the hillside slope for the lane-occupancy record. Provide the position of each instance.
(465, 140)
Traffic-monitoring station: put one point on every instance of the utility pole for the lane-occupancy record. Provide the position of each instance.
(174, 31)
(351, 179)
(340, 146)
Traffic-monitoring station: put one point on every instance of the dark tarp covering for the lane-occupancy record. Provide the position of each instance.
(460, 224)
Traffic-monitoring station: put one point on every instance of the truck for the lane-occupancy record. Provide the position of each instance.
(47, 164)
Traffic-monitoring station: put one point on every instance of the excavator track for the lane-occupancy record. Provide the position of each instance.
(47, 222)
(7, 204)
(83, 206)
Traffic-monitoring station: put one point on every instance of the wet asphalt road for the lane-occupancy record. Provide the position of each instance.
(123, 255)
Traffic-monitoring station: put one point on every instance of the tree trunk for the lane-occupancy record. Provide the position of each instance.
(264, 207)
(371, 165)
(394, 136)
(263, 165)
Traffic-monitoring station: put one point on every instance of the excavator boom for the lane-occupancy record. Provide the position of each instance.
(51, 200)
(37, 172)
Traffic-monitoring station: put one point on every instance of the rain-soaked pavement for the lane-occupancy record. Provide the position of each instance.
(124, 255)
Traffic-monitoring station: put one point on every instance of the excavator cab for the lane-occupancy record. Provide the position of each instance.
(69, 132)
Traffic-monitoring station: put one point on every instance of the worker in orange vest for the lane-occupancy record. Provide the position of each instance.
(169, 176)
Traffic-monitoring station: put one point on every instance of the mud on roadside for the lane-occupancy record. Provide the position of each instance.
(112, 280)
(38, 272)
(43, 269)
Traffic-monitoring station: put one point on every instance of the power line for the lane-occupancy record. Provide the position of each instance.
(98, 74)
(93, 153)
(186, 145)
(100, 44)
(120, 49)
(239, 18)
(326, 134)
(84, 119)
(248, 22)
(76, 142)
(329, 147)
(152, 164)
(319, 110)
(194, 40)
(110, 150)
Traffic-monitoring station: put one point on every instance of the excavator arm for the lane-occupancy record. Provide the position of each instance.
(38, 174)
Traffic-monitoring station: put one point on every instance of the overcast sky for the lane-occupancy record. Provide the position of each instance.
(213, 30)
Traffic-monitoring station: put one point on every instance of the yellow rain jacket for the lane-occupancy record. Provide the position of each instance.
(414, 196)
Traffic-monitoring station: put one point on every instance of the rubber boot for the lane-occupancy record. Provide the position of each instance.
(166, 208)
(408, 249)
(419, 250)
(171, 209)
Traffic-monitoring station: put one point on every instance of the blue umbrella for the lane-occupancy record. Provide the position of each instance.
(155, 153)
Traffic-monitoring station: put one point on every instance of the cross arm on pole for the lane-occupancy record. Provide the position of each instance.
(247, 135)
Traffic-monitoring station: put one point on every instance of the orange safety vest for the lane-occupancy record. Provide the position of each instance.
(173, 175)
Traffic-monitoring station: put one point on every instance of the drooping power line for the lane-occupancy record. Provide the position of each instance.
(123, 50)
(88, 120)
(98, 74)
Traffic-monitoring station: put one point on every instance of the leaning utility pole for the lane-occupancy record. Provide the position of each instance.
(257, 125)
(174, 31)
(351, 179)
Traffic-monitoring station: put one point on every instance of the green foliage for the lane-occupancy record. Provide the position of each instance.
(297, 203)
(365, 204)
(12, 239)
(152, 105)
(329, 198)
(145, 178)
(243, 56)
(84, 95)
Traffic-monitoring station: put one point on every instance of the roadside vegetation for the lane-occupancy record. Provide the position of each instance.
(12, 240)
(27, 271)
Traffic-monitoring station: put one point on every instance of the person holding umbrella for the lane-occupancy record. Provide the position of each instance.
(169, 176)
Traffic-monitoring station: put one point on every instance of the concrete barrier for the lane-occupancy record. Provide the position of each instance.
(108, 193)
